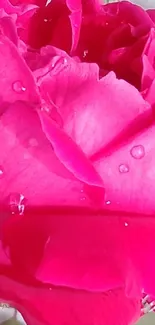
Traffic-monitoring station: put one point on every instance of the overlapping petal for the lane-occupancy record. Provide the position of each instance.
(76, 160)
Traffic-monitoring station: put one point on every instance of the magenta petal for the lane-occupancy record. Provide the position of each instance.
(151, 13)
(17, 82)
(74, 248)
(149, 49)
(75, 19)
(8, 7)
(149, 95)
(128, 174)
(93, 111)
(131, 13)
(75, 6)
(26, 157)
(148, 73)
(69, 153)
(95, 259)
(70, 306)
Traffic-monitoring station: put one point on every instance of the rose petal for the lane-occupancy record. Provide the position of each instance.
(82, 101)
(149, 95)
(27, 158)
(69, 305)
(47, 24)
(96, 259)
(8, 28)
(128, 174)
(150, 46)
(131, 13)
(69, 153)
(75, 248)
(17, 82)
(148, 74)
(151, 13)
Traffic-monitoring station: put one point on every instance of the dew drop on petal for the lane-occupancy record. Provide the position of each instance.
(85, 53)
(18, 87)
(1, 171)
(108, 202)
(137, 152)
(126, 224)
(17, 203)
(83, 198)
(58, 65)
(123, 168)
(48, 2)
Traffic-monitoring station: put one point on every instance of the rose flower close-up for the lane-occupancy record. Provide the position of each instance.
(77, 161)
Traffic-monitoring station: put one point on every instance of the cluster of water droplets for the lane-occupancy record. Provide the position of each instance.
(137, 152)
(83, 197)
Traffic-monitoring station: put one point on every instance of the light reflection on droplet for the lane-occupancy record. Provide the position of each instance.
(1, 171)
(126, 224)
(18, 87)
(17, 203)
(108, 202)
(137, 152)
(123, 168)
(48, 2)
(59, 64)
(83, 198)
(85, 53)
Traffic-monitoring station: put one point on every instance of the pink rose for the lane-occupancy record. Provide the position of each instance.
(76, 161)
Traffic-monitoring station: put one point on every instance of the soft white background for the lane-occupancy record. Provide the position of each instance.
(149, 319)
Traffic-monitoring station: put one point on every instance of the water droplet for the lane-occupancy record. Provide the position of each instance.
(108, 202)
(65, 61)
(18, 87)
(17, 203)
(83, 198)
(123, 168)
(45, 20)
(1, 171)
(33, 142)
(48, 2)
(47, 242)
(106, 23)
(126, 224)
(137, 152)
(59, 64)
(85, 53)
